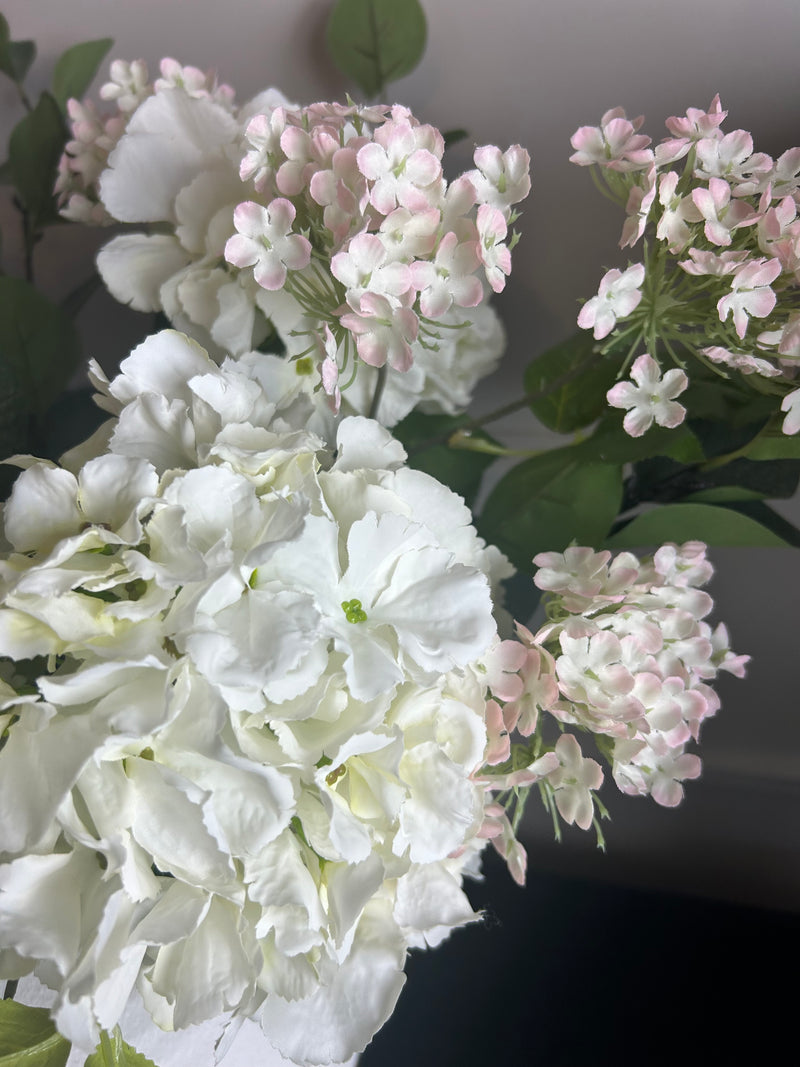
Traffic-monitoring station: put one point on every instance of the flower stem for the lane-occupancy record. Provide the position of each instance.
(507, 409)
(380, 385)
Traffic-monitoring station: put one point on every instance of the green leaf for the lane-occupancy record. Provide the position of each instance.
(460, 469)
(720, 438)
(548, 502)
(663, 480)
(612, 444)
(723, 494)
(39, 347)
(76, 69)
(764, 514)
(376, 41)
(20, 55)
(28, 1037)
(580, 400)
(34, 149)
(723, 526)
(778, 447)
(15, 56)
(114, 1052)
(452, 137)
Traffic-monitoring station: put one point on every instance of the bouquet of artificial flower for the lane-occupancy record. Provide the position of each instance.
(262, 702)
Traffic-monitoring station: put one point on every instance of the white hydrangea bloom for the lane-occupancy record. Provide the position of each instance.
(257, 732)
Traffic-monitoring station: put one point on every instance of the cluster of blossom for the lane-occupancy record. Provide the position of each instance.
(244, 712)
(254, 706)
(329, 228)
(94, 136)
(624, 656)
(721, 271)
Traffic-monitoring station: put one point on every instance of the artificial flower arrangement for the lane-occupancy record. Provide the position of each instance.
(256, 650)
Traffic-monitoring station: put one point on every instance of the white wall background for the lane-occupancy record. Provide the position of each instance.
(532, 71)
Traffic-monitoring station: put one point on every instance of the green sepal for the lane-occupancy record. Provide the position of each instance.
(461, 469)
(716, 525)
(34, 149)
(580, 400)
(375, 42)
(76, 69)
(548, 502)
(28, 1037)
(114, 1052)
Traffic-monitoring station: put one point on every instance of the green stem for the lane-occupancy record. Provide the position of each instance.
(380, 385)
(507, 409)
(109, 1053)
(81, 294)
(26, 103)
(29, 239)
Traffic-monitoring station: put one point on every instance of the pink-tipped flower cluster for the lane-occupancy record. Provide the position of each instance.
(383, 246)
(329, 229)
(626, 656)
(714, 210)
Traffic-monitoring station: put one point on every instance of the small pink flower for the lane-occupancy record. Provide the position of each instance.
(651, 399)
(502, 178)
(614, 143)
(619, 294)
(495, 256)
(751, 293)
(449, 279)
(329, 371)
(744, 362)
(400, 164)
(791, 405)
(722, 216)
(573, 782)
(384, 332)
(498, 747)
(264, 241)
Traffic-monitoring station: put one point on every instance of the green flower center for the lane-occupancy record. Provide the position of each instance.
(353, 611)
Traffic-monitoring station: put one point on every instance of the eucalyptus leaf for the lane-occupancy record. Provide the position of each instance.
(15, 56)
(76, 69)
(460, 469)
(548, 502)
(39, 346)
(723, 526)
(375, 42)
(34, 149)
(114, 1052)
(28, 1037)
(20, 56)
(581, 399)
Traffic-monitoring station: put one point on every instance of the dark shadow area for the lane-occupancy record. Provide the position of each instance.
(572, 973)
